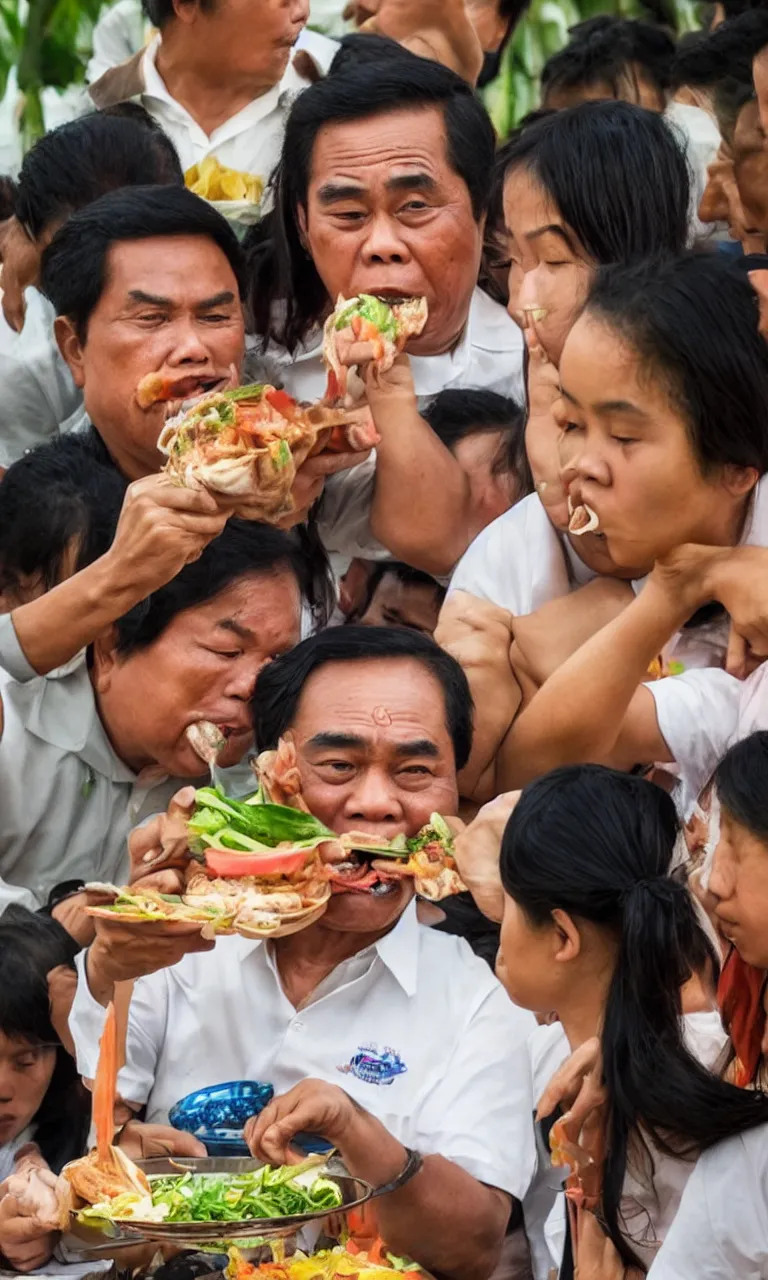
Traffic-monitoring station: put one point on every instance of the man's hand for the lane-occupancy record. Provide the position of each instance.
(123, 951)
(310, 482)
(577, 1087)
(162, 527)
(33, 1207)
(62, 986)
(477, 851)
(543, 435)
(143, 1141)
(310, 1107)
(164, 840)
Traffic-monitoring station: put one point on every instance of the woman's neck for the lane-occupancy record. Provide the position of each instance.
(208, 98)
(582, 1013)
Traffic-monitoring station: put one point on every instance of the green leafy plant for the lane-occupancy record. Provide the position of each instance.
(48, 41)
(543, 31)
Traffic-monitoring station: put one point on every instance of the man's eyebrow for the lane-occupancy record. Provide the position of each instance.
(149, 299)
(218, 300)
(229, 624)
(341, 741)
(330, 192)
(411, 182)
(551, 229)
(417, 747)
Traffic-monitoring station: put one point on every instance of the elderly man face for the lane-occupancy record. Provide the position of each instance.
(375, 755)
(387, 214)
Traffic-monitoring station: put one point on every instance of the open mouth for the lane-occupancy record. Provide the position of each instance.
(356, 875)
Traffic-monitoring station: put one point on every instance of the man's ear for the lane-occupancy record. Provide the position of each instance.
(105, 660)
(71, 348)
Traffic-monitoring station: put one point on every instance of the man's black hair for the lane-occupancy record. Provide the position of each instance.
(722, 63)
(609, 50)
(280, 684)
(73, 165)
(160, 12)
(55, 496)
(455, 414)
(286, 295)
(243, 548)
(74, 266)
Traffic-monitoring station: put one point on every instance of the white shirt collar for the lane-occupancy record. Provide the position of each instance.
(248, 116)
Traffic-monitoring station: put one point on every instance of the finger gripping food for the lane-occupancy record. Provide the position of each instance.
(386, 326)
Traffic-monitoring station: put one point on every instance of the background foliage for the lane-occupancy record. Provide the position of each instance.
(544, 30)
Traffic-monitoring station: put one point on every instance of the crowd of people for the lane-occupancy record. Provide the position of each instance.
(537, 607)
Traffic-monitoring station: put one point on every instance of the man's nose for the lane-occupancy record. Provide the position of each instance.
(373, 798)
(713, 206)
(188, 346)
(241, 680)
(383, 243)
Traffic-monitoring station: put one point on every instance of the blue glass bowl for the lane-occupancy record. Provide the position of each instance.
(217, 1114)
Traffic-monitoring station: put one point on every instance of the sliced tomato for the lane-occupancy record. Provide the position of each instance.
(228, 862)
(281, 401)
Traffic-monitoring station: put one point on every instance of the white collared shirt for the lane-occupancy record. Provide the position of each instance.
(488, 356)
(251, 140)
(446, 1047)
(67, 802)
(721, 1228)
(38, 391)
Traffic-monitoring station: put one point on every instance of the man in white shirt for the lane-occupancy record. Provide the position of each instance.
(374, 1031)
(87, 755)
(383, 188)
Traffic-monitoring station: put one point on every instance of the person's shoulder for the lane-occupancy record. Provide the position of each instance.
(491, 326)
(460, 983)
(494, 562)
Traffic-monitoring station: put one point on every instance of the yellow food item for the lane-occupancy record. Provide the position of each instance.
(213, 181)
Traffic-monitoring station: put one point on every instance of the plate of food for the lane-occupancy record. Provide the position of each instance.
(372, 1263)
(192, 1200)
(264, 867)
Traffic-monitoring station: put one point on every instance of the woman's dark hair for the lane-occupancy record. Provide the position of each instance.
(598, 845)
(74, 266)
(160, 12)
(610, 50)
(740, 783)
(243, 548)
(53, 497)
(286, 295)
(7, 197)
(616, 173)
(84, 159)
(30, 946)
(454, 415)
(694, 324)
(280, 684)
(721, 62)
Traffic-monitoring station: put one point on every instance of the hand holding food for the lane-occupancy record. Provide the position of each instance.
(161, 529)
(34, 1207)
(247, 445)
(310, 1107)
(367, 330)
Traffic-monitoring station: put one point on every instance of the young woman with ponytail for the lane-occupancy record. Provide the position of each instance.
(597, 929)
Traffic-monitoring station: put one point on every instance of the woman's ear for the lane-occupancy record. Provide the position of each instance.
(71, 348)
(105, 660)
(739, 481)
(569, 938)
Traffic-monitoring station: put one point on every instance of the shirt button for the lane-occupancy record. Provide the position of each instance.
(298, 1026)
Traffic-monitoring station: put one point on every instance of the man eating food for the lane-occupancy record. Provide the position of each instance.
(392, 1041)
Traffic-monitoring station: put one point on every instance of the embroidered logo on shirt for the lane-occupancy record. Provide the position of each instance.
(374, 1067)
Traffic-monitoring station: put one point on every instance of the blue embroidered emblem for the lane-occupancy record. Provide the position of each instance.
(374, 1067)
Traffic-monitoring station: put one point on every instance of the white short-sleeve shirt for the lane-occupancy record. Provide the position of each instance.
(39, 394)
(721, 1228)
(415, 1028)
(67, 802)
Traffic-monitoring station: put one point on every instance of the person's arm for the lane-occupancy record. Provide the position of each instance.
(593, 707)
(443, 1217)
(421, 498)
(161, 528)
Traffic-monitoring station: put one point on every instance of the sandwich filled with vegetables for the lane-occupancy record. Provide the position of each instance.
(385, 325)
